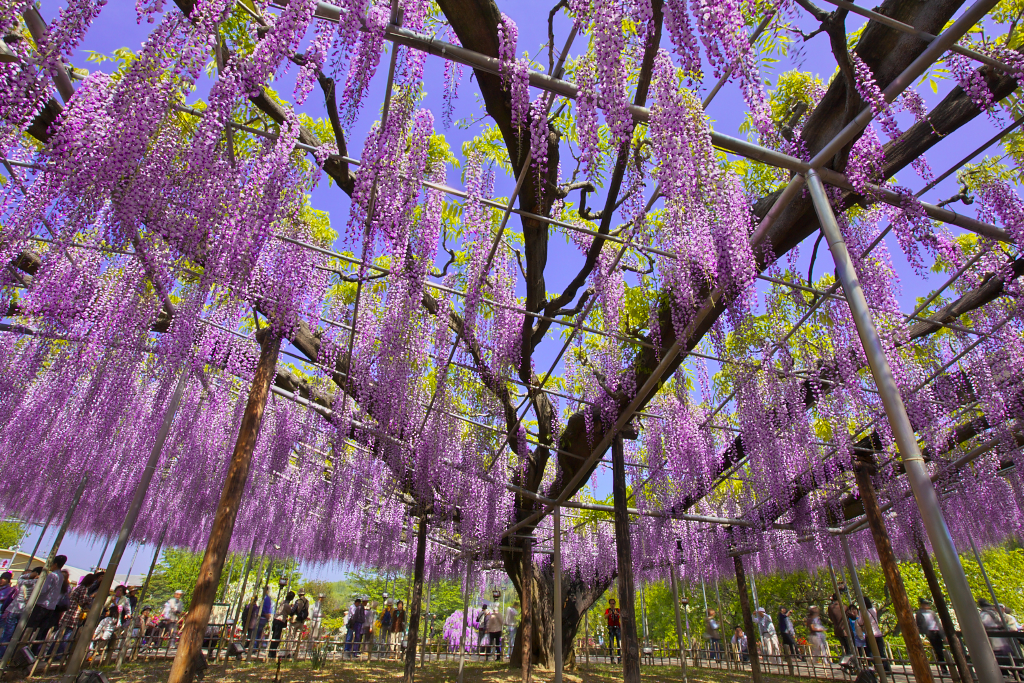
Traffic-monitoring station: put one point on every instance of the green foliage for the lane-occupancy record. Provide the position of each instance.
(445, 596)
(11, 534)
(800, 590)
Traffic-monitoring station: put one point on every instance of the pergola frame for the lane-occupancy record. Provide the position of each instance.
(814, 174)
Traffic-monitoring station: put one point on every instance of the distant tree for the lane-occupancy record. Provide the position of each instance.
(11, 534)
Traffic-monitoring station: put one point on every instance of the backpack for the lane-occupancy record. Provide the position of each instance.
(302, 609)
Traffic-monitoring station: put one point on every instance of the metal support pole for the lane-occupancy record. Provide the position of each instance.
(103, 553)
(917, 474)
(32, 556)
(679, 622)
(84, 640)
(876, 654)
(465, 622)
(753, 592)
(988, 583)
(37, 590)
(557, 607)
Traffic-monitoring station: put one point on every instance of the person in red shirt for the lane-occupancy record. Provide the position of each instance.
(614, 630)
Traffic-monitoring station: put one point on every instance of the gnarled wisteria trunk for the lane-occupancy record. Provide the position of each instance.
(578, 597)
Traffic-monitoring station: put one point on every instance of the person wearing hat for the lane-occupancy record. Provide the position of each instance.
(992, 620)
(931, 628)
(171, 613)
(300, 615)
(769, 639)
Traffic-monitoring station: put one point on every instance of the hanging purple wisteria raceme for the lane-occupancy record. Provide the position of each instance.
(164, 215)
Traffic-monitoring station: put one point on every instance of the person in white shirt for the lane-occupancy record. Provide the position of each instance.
(739, 644)
(54, 586)
(511, 617)
(170, 614)
(769, 639)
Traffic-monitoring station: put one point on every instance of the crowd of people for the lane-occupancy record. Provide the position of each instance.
(848, 626)
(61, 609)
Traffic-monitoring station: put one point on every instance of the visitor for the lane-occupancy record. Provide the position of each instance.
(713, 634)
(133, 598)
(266, 614)
(7, 591)
(840, 624)
(385, 628)
(316, 618)
(123, 605)
(105, 637)
(816, 637)
(54, 586)
(1002, 647)
(931, 628)
(1009, 619)
(354, 627)
(397, 634)
(301, 616)
(25, 586)
(511, 616)
(79, 599)
(481, 628)
(769, 639)
(170, 614)
(249, 619)
(370, 617)
(614, 630)
(856, 624)
(739, 645)
(876, 630)
(788, 631)
(282, 617)
(495, 624)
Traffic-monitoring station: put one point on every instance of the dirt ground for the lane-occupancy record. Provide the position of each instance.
(445, 672)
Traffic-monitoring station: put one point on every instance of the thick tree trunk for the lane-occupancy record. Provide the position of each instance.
(577, 597)
(962, 668)
(624, 555)
(189, 652)
(748, 620)
(525, 642)
(893, 579)
(417, 598)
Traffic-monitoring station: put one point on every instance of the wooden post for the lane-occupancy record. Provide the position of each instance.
(893, 580)
(465, 622)
(748, 620)
(191, 641)
(959, 659)
(417, 599)
(245, 584)
(526, 621)
(142, 597)
(624, 555)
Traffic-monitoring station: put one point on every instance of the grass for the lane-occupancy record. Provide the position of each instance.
(433, 672)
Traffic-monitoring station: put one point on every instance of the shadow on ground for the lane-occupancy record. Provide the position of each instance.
(374, 672)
